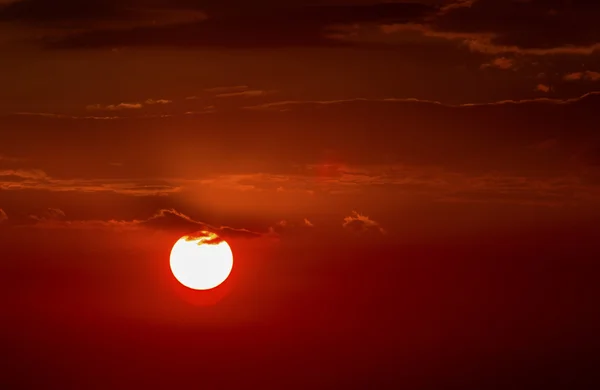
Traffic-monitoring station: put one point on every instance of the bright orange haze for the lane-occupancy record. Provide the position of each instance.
(199, 263)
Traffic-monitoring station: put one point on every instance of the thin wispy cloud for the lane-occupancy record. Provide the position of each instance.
(245, 94)
(114, 107)
(36, 179)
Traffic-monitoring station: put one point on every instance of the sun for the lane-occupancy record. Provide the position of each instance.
(201, 261)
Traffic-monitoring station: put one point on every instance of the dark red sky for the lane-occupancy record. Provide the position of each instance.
(411, 191)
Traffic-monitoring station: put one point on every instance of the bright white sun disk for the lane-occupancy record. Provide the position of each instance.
(201, 262)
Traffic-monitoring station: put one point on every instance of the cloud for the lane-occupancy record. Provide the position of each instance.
(3, 216)
(205, 110)
(451, 5)
(431, 183)
(423, 160)
(36, 179)
(50, 214)
(586, 75)
(242, 26)
(115, 107)
(170, 219)
(24, 174)
(495, 27)
(63, 116)
(502, 63)
(286, 105)
(127, 106)
(204, 237)
(108, 14)
(486, 42)
(246, 94)
(533, 27)
(358, 223)
(249, 93)
(542, 88)
(287, 227)
(158, 101)
(174, 221)
(167, 220)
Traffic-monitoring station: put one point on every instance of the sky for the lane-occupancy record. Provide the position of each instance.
(410, 189)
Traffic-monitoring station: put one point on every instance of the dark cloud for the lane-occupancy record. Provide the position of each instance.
(174, 221)
(50, 214)
(227, 231)
(63, 10)
(37, 179)
(534, 24)
(502, 63)
(587, 75)
(287, 227)
(166, 220)
(100, 13)
(320, 14)
(260, 24)
(543, 88)
(491, 26)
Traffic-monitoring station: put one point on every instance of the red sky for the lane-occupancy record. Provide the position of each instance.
(411, 191)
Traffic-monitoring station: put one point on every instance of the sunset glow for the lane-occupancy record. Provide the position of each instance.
(410, 189)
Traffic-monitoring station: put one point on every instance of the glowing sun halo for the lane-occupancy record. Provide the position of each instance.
(201, 261)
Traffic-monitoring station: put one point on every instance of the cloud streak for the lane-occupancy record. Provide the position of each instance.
(35, 179)
(167, 220)
(489, 43)
(502, 63)
(586, 75)
(422, 160)
(115, 107)
(245, 94)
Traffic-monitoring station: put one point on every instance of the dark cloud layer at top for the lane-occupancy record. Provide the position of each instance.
(327, 12)
(530, 24)
(262, 24)
(486, 25)
(41, 11)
